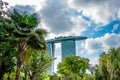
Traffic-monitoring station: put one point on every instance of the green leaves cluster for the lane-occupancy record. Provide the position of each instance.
(109, 66)
(74, 66)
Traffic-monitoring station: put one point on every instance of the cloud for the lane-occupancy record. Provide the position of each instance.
(92, 45)
(56, 19)
(101, 12)
(104, 43)
(24, 9)
(80, 25)
(94, 61)
(110, 40)
(118, 13)
(37, 3)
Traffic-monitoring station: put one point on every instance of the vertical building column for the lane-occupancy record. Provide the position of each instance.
(68, 48)
(51, 52)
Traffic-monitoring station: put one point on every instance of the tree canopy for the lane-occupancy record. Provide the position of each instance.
(74, 65)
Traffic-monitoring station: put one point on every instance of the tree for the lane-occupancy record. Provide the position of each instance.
(7, 48)
(7, 60)
(55, 77)
(39, 64)
(3, 9)
(36, 63)
(114, 63)
(97, 73)
(104, 63)
(74, 66)
(109, 66)
(26, 34)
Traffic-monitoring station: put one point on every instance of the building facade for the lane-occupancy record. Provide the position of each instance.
(68, 48)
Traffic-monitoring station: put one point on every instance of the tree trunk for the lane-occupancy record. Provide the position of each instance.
(21, 46)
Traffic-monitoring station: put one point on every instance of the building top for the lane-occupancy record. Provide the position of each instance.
(64, 38)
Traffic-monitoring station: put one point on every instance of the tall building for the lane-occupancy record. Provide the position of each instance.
(51, 51)
(68, 47)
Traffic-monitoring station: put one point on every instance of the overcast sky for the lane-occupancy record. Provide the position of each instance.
(99, 20)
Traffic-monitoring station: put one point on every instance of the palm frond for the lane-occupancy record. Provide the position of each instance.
(36, 43)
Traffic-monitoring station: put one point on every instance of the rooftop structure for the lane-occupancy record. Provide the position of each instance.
(64, 38)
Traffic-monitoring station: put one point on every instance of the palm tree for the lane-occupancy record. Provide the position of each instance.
(26, 33)
(109, 65)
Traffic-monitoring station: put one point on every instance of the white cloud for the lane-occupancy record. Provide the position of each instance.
(110, 40)
(23, 9)
(80, 25)
(93, 45)
(102, 11)
(103, 43)
(94, 61)
(37, 3)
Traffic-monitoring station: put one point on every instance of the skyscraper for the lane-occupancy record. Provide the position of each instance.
(68, 48)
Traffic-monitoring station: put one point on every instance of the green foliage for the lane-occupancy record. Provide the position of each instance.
(109, 66)
(55, 77)
(74, 66)
(20, 31)
(39, 64)
(27, 34)
(24, 24)
(36, 63)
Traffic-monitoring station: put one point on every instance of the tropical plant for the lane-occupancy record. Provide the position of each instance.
(7, 58)
(73, 65)
(7, 48)
(26, 34)
(55, 77)
(39, 64)
(109, 65)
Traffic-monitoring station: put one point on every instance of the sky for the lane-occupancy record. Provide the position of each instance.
(99, 20)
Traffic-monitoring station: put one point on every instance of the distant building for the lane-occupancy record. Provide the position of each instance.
(68, 47)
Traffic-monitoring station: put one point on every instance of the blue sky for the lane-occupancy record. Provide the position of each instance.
(99, 20)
